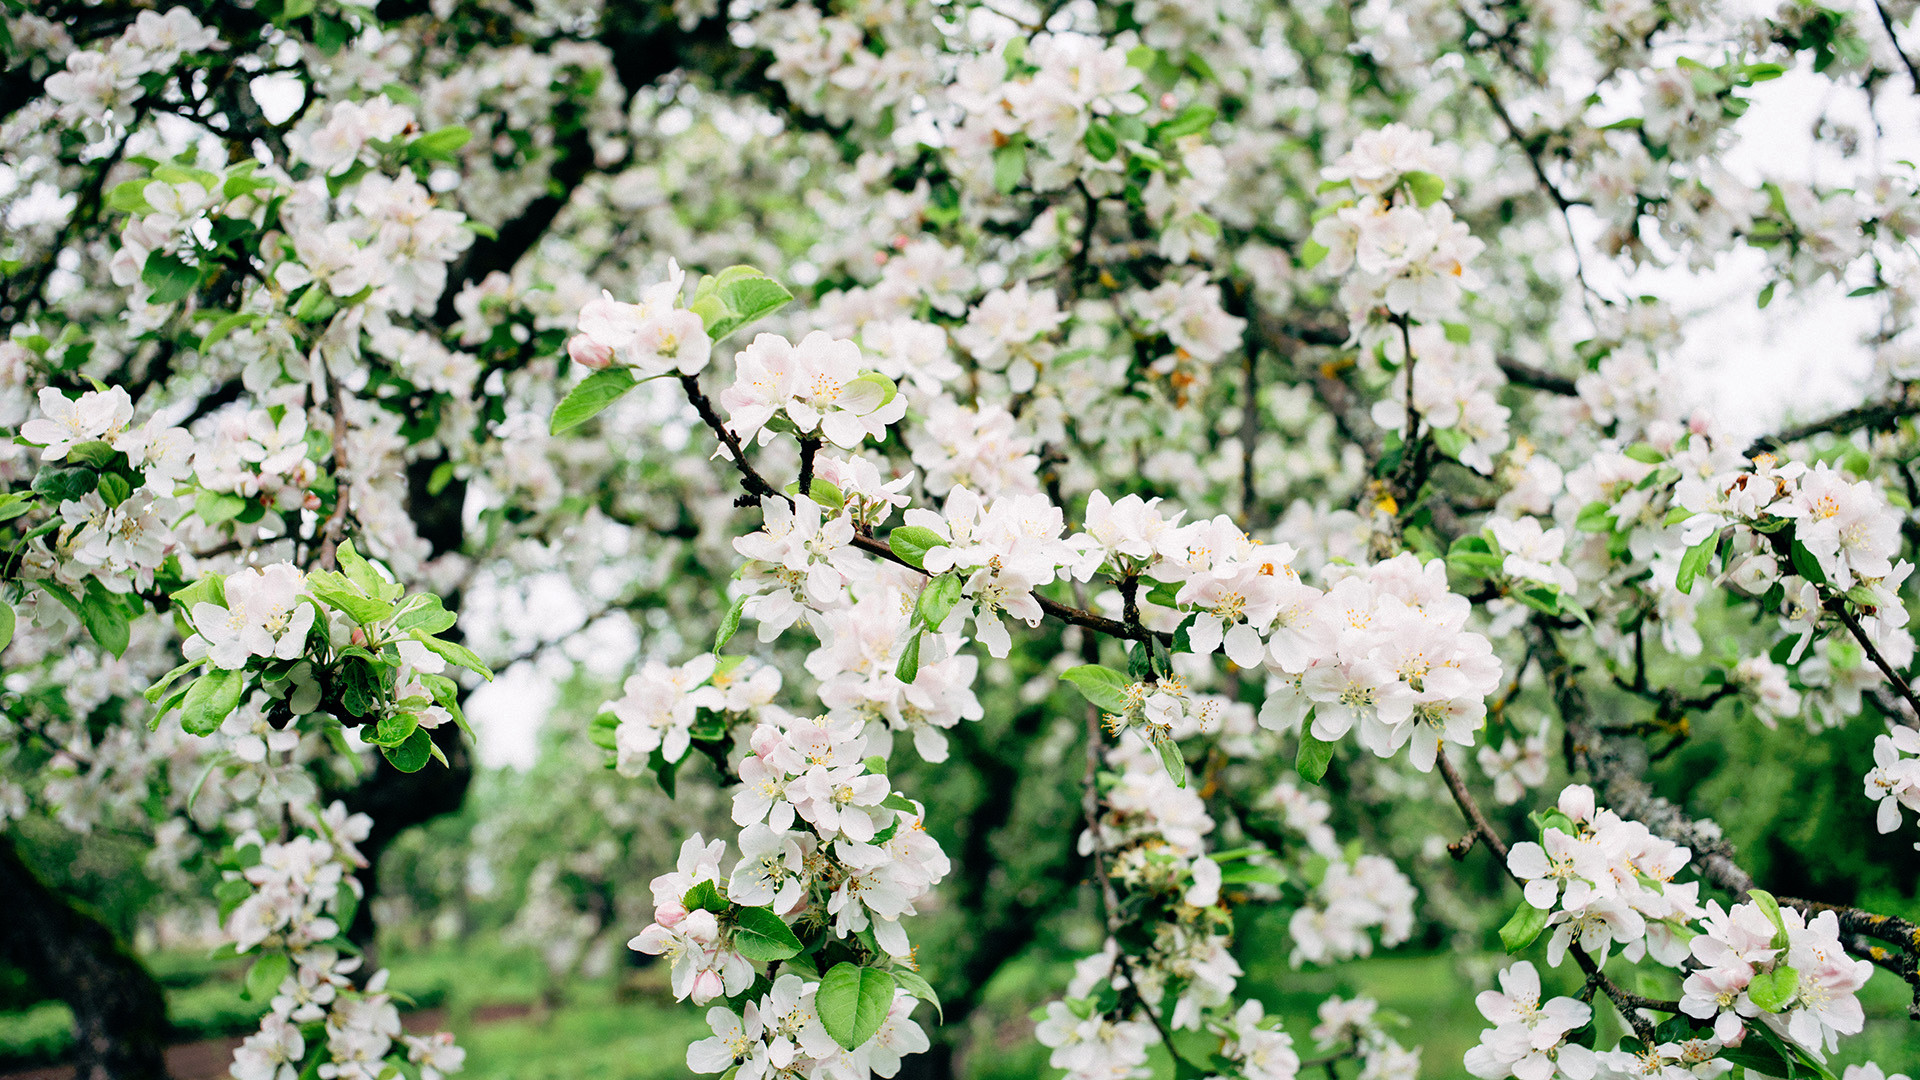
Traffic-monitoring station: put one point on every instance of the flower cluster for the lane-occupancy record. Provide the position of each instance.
(1456, 392)
(780, 1034)
(1894, 780)
(1385, 652)
(1396, 241)
(99, 87)
(1759, 961)
(819, 385)
(653, 337)
(1051, 89)
(1608, 881)
(1529, 1037)
(297, 893)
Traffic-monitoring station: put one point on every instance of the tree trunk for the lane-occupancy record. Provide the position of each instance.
(119, 1013)
(398, 801)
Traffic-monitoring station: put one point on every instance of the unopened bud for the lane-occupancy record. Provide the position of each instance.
(589, 353)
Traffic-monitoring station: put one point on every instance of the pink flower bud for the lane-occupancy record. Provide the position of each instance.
(707, 986)
(1168, 101)
(589, 353)
(669, 915)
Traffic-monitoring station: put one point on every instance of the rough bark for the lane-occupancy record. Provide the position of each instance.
(119, 1013)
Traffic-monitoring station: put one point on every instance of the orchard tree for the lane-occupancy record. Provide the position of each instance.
(1144, 411)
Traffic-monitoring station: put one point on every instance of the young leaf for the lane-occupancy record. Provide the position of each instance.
(852, 1002)
(169, 276)
(729, 625)
(763, 937)
(411, 755)
(595, 392)
(912, 542)
(912, 983)
(908, 669)
(1772, 990)
(1103, 686)
(1521, 930)
(1697, 558)
(1314, 756)
(265, 976)
(1426, 187)
(1172, 758)
(210, 700)
(456, 653)
(937, 600)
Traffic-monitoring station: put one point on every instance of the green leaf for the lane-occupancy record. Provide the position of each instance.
(595, 392)
(912, 983)
(456, 654)
(1103, 686)
(368, 580)
(1172, 758)
(266, 974)
(426, 614)
(345, 905)
(1772, 990)
(218, 507)
(1192, 120)
(853, 1002)
(1525, 926)
(1694, 561)
(114, 488)
(95, 453)
(1311, 253)
(130, 196)
(1595, 517)
(908, 669)
(1101, 142)
(1645, 454)
(1009, 166)
(333, 590)
(6, 625)
(1766, 294)
(763, 937)
(937, 600)
(104, 617)
(1771, 908)
(210, 700)
(58, 485)
(1314, 757)
(170, 278)
(440, 145)
(227, 324)
(705, 896)
(1806, 565)
(410, 756)
(912, 542)
(1427, 188)
(735, 297)
(395, 728)
(729, 625)
(210, 589)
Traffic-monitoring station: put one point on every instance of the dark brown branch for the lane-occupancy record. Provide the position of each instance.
(1533, 378)
(1873, 416)
(1886, 20)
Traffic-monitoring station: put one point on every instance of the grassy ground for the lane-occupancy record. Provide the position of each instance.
(626, 1027)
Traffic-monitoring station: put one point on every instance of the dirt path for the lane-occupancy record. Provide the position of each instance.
(208, 1059)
